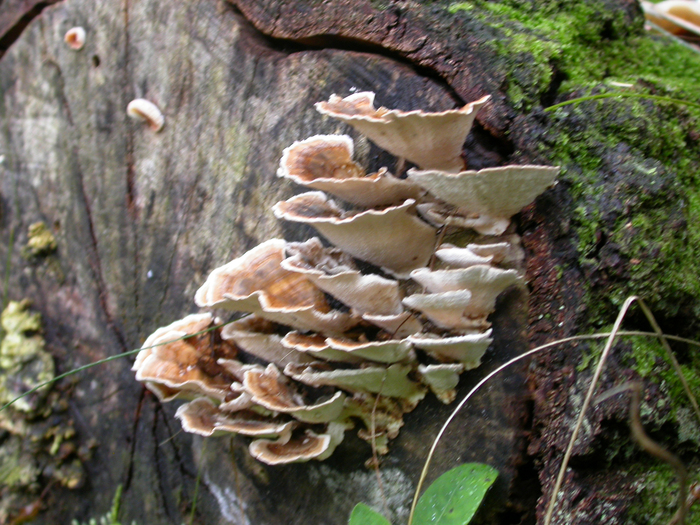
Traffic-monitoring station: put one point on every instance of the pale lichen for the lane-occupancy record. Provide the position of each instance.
(41, 241)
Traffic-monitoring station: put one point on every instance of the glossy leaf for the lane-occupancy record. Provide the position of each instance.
(363, 515)
(454, 497)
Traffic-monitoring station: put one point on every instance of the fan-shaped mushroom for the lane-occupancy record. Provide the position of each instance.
(256, 283)
(392, 238)
(202, 417)
(174, 362)
(324, 162)
(273, 391)
(494, 194)
(430, 140)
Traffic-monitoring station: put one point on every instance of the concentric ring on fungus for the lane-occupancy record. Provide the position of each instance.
(343, 343)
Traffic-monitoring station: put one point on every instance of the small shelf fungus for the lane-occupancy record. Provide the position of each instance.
(75, 38)
(429, 140)
(146, 111)
(329, 343)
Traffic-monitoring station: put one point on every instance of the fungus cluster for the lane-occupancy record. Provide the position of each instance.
(354, 331)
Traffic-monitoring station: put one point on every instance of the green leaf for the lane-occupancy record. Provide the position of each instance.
(363, 515)
(454, 497)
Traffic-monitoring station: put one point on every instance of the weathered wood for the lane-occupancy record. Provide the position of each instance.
(141, 218)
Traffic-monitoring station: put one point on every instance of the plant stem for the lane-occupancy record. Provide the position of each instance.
(624, 95)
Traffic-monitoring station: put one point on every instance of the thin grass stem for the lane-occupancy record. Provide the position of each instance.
(658, 98)
(503, 367)
(587, 401)
(676, 366)
(103, 361)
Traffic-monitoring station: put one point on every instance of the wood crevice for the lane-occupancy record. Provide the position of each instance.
(339, 42)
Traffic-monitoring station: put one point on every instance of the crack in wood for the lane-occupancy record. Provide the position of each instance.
(162, 489)
(94, 260)
(131, 207)
(9, 35)
(132, 449)
(319, 42)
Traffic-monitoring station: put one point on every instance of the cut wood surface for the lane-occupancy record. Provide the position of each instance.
(142, 217)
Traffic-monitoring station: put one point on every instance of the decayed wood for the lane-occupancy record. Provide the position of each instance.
(141, 218)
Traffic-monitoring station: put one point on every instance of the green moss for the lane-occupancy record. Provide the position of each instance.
(652, 363)
(23, 362)
(653, 146)
(585, 42)
(656, 496)
(632, 167)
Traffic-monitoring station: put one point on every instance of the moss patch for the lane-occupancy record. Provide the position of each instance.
(577, 43)
(631, 165)
(657, 489)
(652, 363)
(37, 440)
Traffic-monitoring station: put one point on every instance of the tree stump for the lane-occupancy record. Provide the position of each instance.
(141, 218)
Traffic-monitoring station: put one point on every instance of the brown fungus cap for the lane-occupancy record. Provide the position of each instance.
(429, 140)
(256, 283)
(172, 364)
(679, 17)
(202, 417)
(335, 273)
(393, 238)
(273, 391)
(324, 162)
(316, 346)
(298, 448)
(257, 336)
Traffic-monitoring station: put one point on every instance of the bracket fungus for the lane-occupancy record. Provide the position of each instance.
(176, 362)
(393, 238)
(330, 342)
(334, 272)
(324, 162)
(302, 448)
(493, 195)
(679, 17)
(202, 417)
(429, 140)
(257, 283)
(273, 391)
(146, 111)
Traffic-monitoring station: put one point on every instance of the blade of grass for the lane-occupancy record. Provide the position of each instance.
(587, 401)
(105, 360)
(676, 366)
(658, 98)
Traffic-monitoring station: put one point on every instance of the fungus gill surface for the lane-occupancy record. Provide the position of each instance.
(329, 344)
